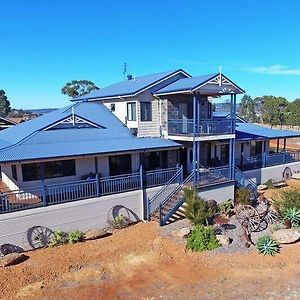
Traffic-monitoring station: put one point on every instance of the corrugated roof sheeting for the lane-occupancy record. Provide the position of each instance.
(186, 84)
(248, 131)
(127, 87)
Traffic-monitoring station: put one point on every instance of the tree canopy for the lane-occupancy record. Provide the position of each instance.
(77, 88)
(247, 109)
(4, 104)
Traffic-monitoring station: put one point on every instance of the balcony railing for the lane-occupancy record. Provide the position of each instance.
(78, 190)
(269, 160)
(206, 127)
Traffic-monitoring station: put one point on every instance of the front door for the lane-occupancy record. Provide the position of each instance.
(190, 160)
(182, 115)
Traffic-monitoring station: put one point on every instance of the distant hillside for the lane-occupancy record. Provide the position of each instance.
(39, 111)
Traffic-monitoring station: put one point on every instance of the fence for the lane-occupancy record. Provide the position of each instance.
(78, 190)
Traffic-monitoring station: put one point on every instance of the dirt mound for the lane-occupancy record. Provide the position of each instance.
(137, 263)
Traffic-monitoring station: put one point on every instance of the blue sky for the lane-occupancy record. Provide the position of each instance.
(47, 43)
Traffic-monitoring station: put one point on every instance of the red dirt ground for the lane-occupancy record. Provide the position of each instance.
(137, 263)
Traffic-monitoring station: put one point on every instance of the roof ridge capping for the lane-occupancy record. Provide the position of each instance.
(131, 88)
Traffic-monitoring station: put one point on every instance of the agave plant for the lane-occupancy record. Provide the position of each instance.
(267, 246)
(293, 215)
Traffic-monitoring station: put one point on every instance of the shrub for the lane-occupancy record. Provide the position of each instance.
(202, 238)
(286, 199)
(120, 221)
(59, 237)
(75, 236)
(197, 209)
(269, 184)
(226, 208)
(242, 196)
(293, 215)
(267, 246)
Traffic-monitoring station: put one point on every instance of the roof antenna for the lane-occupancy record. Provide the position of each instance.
(124, 71)
(220, 77)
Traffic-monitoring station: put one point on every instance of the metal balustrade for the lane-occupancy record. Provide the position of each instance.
(78, 190)
(205, 127)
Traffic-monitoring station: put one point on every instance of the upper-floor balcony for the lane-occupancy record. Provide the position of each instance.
(186, 127)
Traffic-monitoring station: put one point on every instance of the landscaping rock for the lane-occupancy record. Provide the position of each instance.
(182, 233)
(286, 236)
(95, 234)
(13, 259)
(224, 240)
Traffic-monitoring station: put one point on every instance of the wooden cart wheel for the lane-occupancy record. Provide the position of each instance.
(39, 236)
(248, 217)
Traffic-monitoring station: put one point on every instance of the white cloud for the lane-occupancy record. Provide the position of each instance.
(274, 70)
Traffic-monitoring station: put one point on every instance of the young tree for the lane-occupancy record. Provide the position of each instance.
(247, 109)
(4, 104)
(77, 88)
(273, 110)
(292, 113)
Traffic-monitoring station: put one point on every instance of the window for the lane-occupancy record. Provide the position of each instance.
(14, 172)
(120, 164)
(131, 111)
(224, 154)
(52, 169)
(146, 112)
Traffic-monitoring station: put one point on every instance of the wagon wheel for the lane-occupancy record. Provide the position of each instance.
(269, 214)
(39, 236)
(248, 217)
(287, 173)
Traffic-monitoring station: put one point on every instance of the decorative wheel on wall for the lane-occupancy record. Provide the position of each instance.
(248, 217)
(287, 173)
(118, 217)
(39, 236)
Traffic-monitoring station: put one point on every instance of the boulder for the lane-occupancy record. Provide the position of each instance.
(12, 259)
(286, 236)
(95, 234)
(223, 239)
(296, 176)
(182, 233)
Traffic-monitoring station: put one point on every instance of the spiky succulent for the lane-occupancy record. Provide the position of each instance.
(293, 215)
(267, 246)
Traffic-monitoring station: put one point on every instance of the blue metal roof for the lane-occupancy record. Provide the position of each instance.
(29, 140)
(186, 84)
(129, 87)
(248, 131)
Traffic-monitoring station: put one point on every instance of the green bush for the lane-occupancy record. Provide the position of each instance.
(266, 245)
(202, 238)
(242, 196)
(287, 199)
(269, 184)
(226, 208)
(75, 237)
(120, 221)
(197, 209)
(293, 215)
(59, 237)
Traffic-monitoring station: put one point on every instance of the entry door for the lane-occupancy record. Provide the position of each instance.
(182, 114)
(190, 160)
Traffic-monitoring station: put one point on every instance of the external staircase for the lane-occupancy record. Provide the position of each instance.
(167, 204)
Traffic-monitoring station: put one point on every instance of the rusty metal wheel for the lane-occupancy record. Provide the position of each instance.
(248, 217)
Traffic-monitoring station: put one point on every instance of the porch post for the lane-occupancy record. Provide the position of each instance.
(284, 151)
(198, 132)
(44, 188)
(98, 191)
(264, 158)
(194, 137)
(230, 158)
(277, 145)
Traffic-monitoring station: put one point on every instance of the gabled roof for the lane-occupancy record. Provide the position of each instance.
(35, 140)
(5, 121)
(129, 88)
(226, 115)
(248, 131)
(192, 84)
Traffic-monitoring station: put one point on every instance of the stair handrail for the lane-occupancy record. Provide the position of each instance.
(179, 187)
(245, 176)
(165, 186)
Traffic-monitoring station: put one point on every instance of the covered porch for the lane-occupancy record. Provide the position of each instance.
(259, 147)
